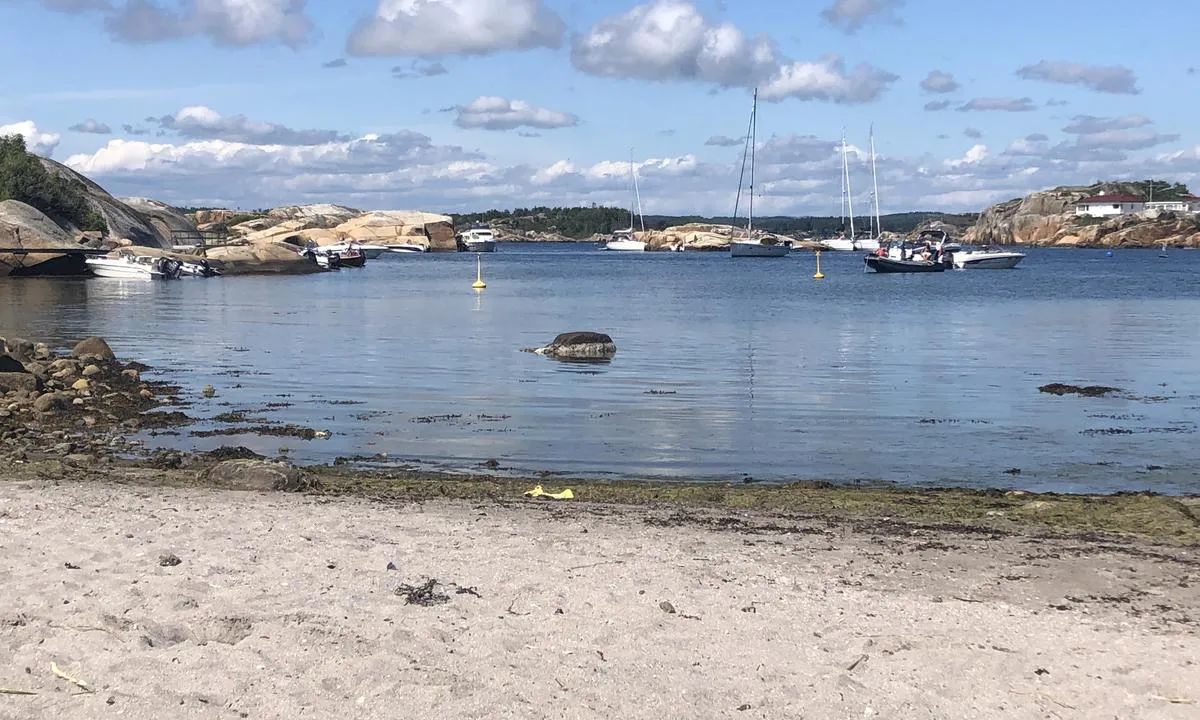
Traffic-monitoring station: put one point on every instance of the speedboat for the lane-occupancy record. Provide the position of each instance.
(986, 258)
(406, 248)
(128, 266)
(335, 258)
(924, 255)
(200, 268)
(370, 252)
(478, 239)
(887, 264)
(623, 240)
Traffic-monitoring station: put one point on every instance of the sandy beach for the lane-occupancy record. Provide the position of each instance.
(204, 603)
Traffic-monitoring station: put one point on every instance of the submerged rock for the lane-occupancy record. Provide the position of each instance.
(1084, 390)
(580, 346)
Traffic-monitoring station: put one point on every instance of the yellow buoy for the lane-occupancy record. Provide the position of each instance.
(818, 275)
(479, 284)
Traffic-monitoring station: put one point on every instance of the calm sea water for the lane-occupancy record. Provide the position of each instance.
(725, 368)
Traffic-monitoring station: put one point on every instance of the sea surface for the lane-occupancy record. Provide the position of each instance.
(726, 369)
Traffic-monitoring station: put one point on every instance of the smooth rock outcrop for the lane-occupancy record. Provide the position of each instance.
(257, 475)
(162, 217)
(260, 259)
(396, 227)
(123, 221)
(580, 346)
(24, 226)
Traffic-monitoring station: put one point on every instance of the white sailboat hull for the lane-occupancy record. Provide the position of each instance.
(405, 249)
(987, 260)
(838, 245)
(625, 245)
(744, 248)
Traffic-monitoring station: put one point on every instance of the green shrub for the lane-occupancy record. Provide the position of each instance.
(24, 178)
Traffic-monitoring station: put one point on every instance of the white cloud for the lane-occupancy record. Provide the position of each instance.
(497, 113)
(225, 22)
(975, 155)
(850, 15)
(36, 141)
(1101, 78)
(828, 80)
(1125, 139)
(939, 82)
(456, 27)
(201, 122)
(671, 40)
(1087, 124)
(92, 127)
(724, 141)
(999, 104)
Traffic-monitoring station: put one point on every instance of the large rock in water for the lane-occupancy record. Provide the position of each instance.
(580, 346)
(24, 226)
(263, 258)
(123, 221)
(96, 346)
(396, 227)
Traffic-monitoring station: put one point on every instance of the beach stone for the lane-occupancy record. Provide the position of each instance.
(49, 402)
(131, 374)
(41, 351)
(20, 349)
(580, 345)
(81, 384)
(93, 346)
(260, 475)
(91, 370)
(9, 364)
(14, 381)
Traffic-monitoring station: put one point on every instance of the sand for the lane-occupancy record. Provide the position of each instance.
(283, 606)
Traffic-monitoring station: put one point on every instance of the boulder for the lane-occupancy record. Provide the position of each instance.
(49, 402)
(580, 346)
(395, 227)
(258, 475)
(9, 364)
(93, 346)
(19, 381)
(260, 258)
(19, 349)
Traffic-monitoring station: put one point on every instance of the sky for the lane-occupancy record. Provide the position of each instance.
(464, 105)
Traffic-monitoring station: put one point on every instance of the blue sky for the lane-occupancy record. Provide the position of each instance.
(469, 104)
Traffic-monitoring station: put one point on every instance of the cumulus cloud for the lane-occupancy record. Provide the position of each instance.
(723, 141)
(671, 40)
(1101, 78)
(92, 127)
(36, 141)
(972, 133)
(497, 113)
(850, 15)
(939, 82)
(418, 68)
(225, 22)
(936, 105)
(201, 122)
(1001, 104)
(456, 27)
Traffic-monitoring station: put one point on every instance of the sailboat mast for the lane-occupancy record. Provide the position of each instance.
(843, 217)
(875, 186)
(753, 142)
(637, 194)
(849, 192)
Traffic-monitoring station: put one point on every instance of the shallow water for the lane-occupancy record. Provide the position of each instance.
(725, 367)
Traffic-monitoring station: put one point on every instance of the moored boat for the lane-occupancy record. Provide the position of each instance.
(477, 239)
(754, 244)
(406, 249)
(985, 258)
(128, 266)
(925, 254)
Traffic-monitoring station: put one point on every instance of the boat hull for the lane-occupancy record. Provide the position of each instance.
(480, 246)
(121, 273)
(405, 249)
(881, 264)
(625, 245)
(1001, 261)
(754, 249)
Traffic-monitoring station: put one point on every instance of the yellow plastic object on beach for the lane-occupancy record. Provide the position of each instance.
(537, 491)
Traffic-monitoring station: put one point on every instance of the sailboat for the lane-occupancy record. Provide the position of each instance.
(623, 239)
(1163, 252)
(871, 244)
(752, 246)
(844, 242)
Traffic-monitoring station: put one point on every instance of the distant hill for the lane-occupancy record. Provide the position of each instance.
(584, 222)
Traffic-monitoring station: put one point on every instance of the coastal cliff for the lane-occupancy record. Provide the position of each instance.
(1048, 218)
(327, 224)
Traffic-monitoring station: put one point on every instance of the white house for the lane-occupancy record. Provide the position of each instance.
(1110, 205)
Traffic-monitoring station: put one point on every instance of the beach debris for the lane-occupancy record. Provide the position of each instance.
(1061, 389)
(1041, 671)
(425, 594)
(391, 566)
(54, 668)
(743, 707)
(208, 391)
(667, 607)
(857, 661)
(70, 565)
(10, 691)
(169, 560)
(537, 491)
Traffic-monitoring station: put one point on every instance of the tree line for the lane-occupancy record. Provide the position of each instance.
(24, 178)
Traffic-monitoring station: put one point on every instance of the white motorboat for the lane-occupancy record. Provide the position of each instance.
(406, 249)
(478, 239)
(370, 252)
(760, 244)
(986, 258)
(624, 240)
(128, 266)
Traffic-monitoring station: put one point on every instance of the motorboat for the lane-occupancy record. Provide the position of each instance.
(368, 251)
(478, 239)
(199, 268)
(128, 266)
(925, 254)
(760, 244)
(406, 249)
(623, 240)
(985, 258)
